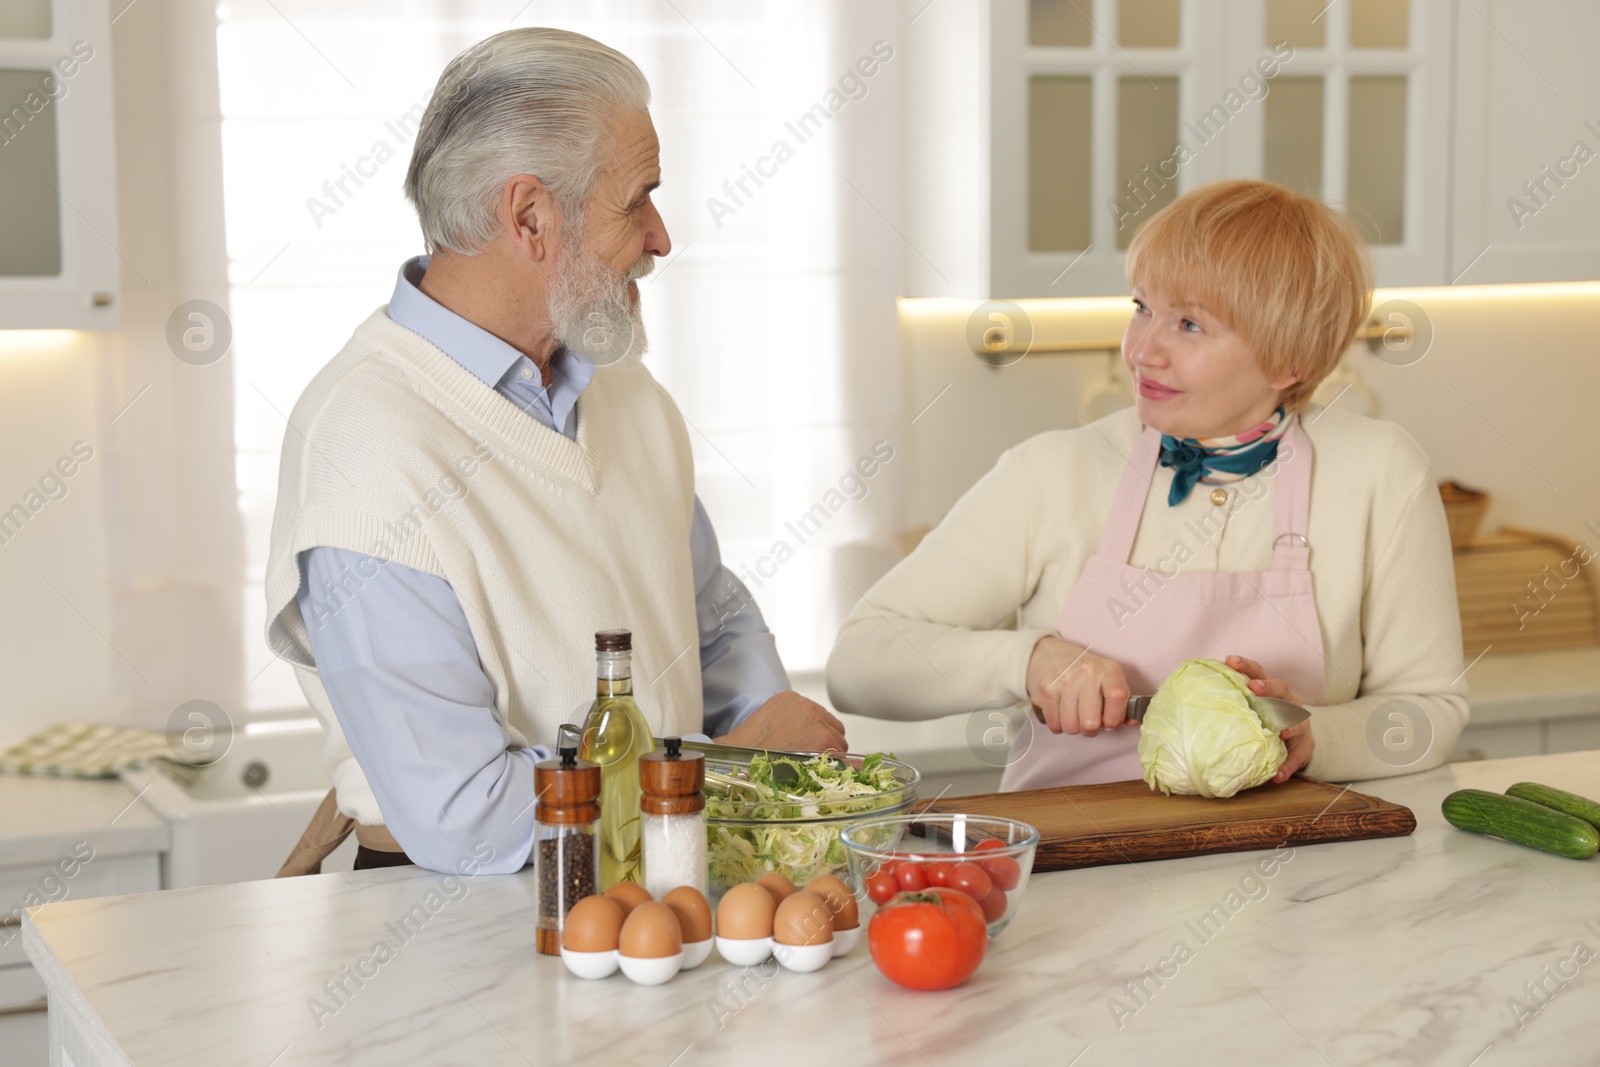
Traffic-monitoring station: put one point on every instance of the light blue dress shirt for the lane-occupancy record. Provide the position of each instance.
(401, 669)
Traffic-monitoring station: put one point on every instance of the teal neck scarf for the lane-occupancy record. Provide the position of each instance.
(1220, 460)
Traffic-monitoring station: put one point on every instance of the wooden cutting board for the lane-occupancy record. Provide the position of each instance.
(1127, 822)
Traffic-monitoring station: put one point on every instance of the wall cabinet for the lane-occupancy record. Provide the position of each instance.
(1526, 203)
(1068, 122)
(59, 265)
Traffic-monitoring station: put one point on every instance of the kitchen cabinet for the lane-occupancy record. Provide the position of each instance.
(1460, 136)
(1499, 742)
(1525, 703)
(62, 839)
(59, 264)
(1527, 177)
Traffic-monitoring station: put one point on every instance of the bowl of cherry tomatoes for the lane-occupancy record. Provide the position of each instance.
(987, 858)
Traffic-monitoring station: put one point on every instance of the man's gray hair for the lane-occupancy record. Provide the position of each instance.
(527, 101)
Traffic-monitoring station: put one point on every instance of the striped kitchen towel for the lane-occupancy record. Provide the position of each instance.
(89, 750)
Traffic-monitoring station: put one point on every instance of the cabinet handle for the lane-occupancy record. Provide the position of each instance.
(997, 353)
(42, 1004)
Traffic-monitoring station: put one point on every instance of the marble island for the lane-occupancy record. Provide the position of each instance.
(1438, 948)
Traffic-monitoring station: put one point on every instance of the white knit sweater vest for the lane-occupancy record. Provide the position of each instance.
(396, 451)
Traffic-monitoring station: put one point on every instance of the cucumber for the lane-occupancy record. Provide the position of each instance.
(1521, 822)
(1559, 799)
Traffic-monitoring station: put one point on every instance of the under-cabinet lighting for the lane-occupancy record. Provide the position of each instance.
(33, 342)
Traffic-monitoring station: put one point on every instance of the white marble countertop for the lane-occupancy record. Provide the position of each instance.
(1403, 950)
(41, 819)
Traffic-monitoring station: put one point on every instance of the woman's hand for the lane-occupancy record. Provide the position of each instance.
(1077, 691)
(1298, 738)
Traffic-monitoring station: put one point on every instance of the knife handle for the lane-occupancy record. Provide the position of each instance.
(1136, 709)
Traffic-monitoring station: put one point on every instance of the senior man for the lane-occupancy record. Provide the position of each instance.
(486, 475)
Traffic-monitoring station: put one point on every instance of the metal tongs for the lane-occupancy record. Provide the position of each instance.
(1275, 713)
(783, 775)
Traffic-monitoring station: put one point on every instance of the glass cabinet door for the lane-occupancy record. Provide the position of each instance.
(30, 207)
(26, 20)
(1337, 127)
(1059, 154)
(30, 214)
(59, 263)
(1103, 111)
(1100, 105)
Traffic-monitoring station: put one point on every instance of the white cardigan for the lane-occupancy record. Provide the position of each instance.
(1380, 561)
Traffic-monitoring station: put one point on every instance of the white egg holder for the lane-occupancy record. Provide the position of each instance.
(746, 952)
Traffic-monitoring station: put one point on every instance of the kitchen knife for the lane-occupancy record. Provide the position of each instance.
(1278, 714)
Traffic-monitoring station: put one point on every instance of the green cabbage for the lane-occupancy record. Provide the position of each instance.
(1202, 735)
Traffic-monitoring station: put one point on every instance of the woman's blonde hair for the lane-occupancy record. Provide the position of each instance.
(1286, 272)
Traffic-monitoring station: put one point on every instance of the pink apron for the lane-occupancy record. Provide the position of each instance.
(1150, 622)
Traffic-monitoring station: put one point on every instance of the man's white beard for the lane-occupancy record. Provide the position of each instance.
(590, 312)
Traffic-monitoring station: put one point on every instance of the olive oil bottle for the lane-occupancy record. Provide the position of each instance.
(615, 735)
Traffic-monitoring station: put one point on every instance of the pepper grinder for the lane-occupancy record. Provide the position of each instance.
(672, 813)
(566, 863)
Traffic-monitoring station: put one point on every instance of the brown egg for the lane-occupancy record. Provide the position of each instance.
(776, 884)
(593, 925)
(841, 902)
(629, 894)
(803, 919)
(745, 912)
(650, 932)
(692, 910)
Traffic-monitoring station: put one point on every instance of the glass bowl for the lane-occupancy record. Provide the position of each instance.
(935, 843)
(747, 837)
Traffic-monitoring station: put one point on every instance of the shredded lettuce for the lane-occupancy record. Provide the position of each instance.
(798, 852)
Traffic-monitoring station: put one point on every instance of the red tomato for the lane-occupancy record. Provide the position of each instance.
(1003, 871)
(913, 877)
(931, 940)
(939, 873)
(881, 886)
(988, 843)
(994, 905)
(970, 879)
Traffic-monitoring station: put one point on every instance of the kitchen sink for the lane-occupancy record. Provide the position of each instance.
(238, 818)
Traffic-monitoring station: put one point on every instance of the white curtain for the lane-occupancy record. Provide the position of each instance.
(173, 596)
(772, 323)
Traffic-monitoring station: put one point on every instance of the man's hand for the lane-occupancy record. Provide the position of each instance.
(789, 721)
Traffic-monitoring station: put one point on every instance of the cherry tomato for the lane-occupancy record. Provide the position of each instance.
(994, 905)
(939, 873)
(987, 844)
(881, 887)
(913, 877)
(928, 940)
(970, 879)
(1003, 871)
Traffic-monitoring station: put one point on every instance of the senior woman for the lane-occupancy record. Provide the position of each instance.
(1219, 517)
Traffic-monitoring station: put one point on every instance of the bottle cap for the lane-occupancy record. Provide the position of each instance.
(613, 641)
(568, 789)
(672, 782)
